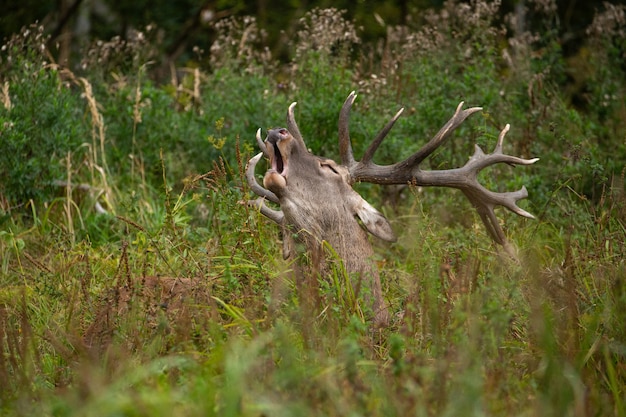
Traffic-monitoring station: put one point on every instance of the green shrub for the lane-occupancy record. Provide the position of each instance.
(43, 122)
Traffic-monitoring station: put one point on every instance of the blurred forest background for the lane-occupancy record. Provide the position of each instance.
(188, 24)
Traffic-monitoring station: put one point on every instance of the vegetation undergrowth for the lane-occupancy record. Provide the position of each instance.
(135, 282)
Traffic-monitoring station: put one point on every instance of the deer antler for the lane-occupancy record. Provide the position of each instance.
(292, 126)
(275, 215)
(464, 178)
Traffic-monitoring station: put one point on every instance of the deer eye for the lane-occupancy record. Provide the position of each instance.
(329, 166)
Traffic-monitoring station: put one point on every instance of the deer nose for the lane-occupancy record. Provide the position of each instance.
(274, 135)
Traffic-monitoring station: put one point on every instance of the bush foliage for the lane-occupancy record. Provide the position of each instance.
(134, 282)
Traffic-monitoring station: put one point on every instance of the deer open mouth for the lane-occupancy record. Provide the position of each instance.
(278, 161)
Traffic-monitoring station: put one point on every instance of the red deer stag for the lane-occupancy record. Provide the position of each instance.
(317, 202)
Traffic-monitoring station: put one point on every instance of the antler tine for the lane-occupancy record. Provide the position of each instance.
(274, 215)
(369, 153)
(292, 126)
(488, 215)
(485, 201)
(503, 132)
(261, 144)
(345, 145)
(443, 134)
(254, 185)
(480, 160)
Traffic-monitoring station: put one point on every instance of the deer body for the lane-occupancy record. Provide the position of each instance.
(318, 205)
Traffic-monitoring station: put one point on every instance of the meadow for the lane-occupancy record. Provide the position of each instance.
(134, 282)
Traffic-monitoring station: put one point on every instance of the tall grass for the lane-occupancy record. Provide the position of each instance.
(134, 282)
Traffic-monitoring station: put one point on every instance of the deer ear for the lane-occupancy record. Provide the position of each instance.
(374, 221)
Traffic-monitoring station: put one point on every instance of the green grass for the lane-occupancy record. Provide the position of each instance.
(176, 299)
(170, 320)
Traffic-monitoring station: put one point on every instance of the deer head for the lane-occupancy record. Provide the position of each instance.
(315, 193)
(318, 204)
